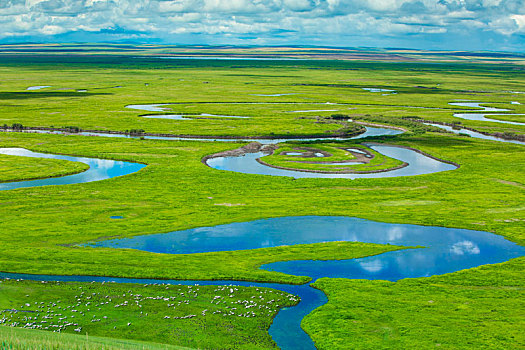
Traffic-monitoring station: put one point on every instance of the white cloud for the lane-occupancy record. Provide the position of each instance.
(464, 247)
(520, 21)
(52, 30)
(263, 18)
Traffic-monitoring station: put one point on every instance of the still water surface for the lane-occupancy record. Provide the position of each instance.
(418, 164)
(99, 169)
(444, 250)
(483, 116)
(474, 134)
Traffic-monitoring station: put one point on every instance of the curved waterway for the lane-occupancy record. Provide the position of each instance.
(483, 116)
(99, 169)
(443, 250)
(190, 116)
(446, 250)
(474, 134)
(418, 164)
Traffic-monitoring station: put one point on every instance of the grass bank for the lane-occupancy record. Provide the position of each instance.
(470, 309)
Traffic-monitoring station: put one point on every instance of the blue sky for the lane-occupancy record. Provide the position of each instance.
(423, 24)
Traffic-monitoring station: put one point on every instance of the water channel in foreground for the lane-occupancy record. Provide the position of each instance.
(443, 250)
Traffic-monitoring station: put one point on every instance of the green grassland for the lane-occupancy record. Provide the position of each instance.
(190, 316)
(173, 192)
(470, 309)
(233, 88)
(335, 153)
(14, 338)
(13, 168)
(41, 227)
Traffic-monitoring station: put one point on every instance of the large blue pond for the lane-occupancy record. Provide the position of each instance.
(444, 250)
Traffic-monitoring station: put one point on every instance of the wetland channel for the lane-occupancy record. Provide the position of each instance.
(439, 250)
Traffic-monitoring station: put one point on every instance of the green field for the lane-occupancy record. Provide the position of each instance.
(191, 316)
(13, 168)
(469, 309)
(41, 228)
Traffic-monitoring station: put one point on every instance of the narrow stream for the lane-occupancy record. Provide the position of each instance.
(474, 134)
(370, 131)
(483, 116)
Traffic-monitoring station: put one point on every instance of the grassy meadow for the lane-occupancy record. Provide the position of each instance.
(42, 228)
(16, 338)
(190, 316)
(470, 309)
(15, 168)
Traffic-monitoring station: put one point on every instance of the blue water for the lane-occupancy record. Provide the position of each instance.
(418, 164)
(99, 169)
(483, 116)
(474, 134)
(444, 250)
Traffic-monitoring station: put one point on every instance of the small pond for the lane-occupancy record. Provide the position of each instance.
(378, 90)
(274, 95)
(38, 87)
(189, 116)
(314, 110)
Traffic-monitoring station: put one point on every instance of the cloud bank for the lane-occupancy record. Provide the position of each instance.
(431, 24)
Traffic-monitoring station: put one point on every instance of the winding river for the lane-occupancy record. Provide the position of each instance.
(474, 134)
(444, 249)
(482, 116)
(418, 164)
